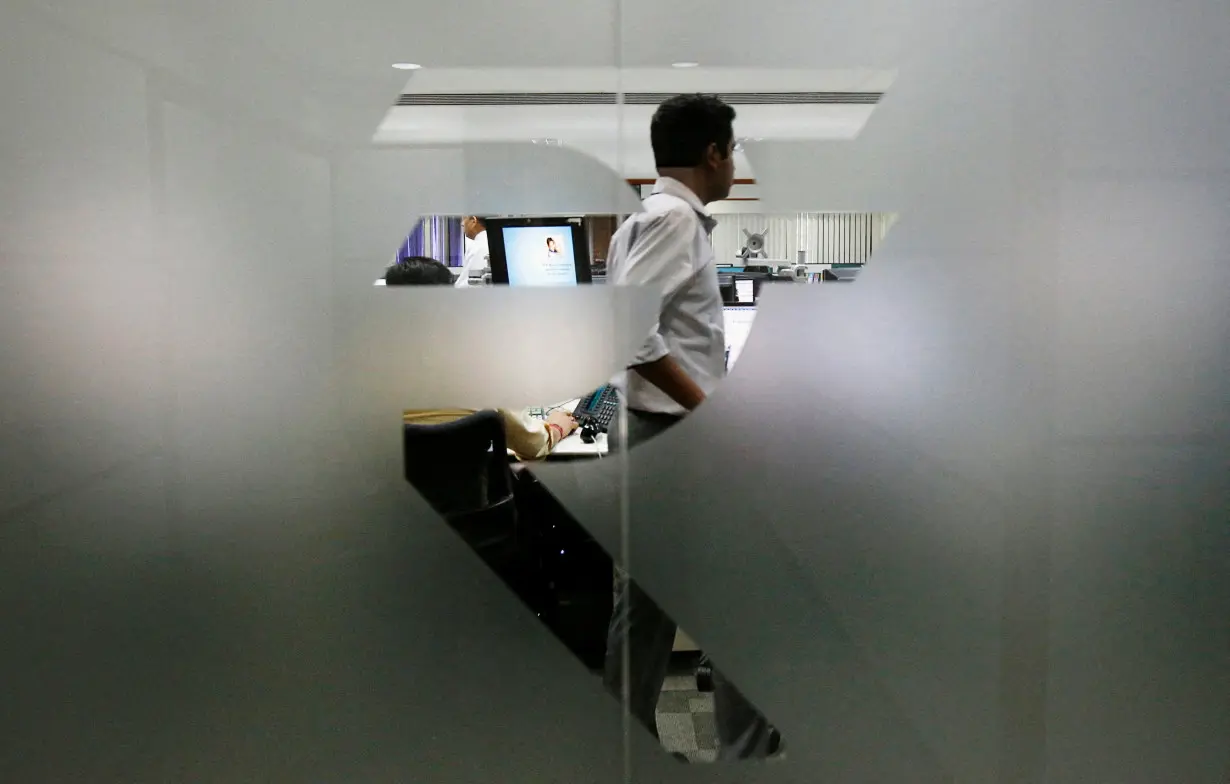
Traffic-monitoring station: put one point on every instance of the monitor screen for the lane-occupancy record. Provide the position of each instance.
(738, 323)
(745, 291)
(538, 252)
(742, 288)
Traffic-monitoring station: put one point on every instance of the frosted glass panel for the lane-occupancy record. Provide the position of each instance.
(217, 566)
(488, 323)
(926, 505)
(963, 521)
(80, 287)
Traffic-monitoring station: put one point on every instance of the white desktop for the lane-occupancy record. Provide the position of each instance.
(572, 445)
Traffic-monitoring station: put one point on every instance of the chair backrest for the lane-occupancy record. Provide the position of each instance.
(460, 467)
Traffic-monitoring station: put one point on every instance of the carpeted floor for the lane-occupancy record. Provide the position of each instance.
(685, 719)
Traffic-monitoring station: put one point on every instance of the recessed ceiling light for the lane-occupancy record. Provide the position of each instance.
(685, 64)
(407, 66)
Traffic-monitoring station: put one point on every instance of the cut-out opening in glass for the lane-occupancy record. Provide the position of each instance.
(477, 466)
(476, 469)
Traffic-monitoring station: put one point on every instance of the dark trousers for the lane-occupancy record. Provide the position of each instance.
(649, 634)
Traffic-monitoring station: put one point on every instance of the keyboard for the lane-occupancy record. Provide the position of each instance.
(598, 410)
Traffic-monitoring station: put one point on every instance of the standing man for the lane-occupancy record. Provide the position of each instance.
(478, 255)
(667, 248)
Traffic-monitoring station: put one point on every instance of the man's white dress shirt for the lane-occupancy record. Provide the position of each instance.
(667, 248)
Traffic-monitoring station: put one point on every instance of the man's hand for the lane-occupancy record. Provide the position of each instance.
(563, 420)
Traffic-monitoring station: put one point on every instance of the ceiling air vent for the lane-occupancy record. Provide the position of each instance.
(631, 99)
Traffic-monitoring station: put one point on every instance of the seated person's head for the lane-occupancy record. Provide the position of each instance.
(418, 271)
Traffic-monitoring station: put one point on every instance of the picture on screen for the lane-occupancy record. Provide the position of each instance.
(540, 256)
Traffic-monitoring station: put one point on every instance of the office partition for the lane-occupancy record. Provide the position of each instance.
(977, 533)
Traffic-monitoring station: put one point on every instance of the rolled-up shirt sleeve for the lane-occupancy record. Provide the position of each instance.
(528, 438)
(659, 259)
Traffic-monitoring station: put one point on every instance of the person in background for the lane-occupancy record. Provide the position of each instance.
(418, 271)
(552, 249)
(667, 248)
(478, 254)
(527, 437)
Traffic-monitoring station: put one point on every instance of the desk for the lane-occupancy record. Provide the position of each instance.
(573, 447)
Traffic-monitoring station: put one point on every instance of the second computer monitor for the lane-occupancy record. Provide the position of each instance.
(538, 251)
(739, 289)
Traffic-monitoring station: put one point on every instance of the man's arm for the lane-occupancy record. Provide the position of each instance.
(665, 374)
(528, 438)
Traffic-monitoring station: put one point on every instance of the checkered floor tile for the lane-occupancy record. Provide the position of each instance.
(685, 720)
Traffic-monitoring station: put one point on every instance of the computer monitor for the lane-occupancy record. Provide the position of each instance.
(740, 289)
(843, 273)
(745, 291)
(538, 251)
(738, 325)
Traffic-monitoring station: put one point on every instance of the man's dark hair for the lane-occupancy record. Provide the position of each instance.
(418, 271)
(683, 127)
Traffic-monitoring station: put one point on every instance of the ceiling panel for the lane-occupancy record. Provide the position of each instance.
(596, 130)
(435, 80)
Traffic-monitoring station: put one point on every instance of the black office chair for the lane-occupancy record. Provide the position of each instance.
(574, 567)
(462, 469)
(516, 526)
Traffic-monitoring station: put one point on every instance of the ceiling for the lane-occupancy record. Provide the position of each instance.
(598, 132)
(582, 114)
(705, 78)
